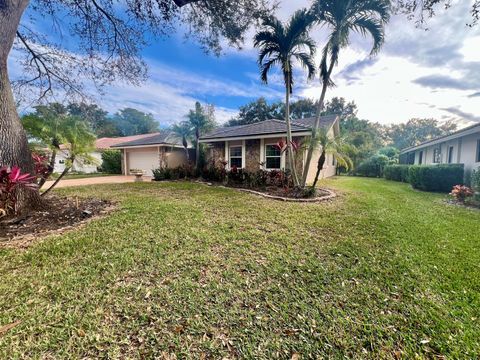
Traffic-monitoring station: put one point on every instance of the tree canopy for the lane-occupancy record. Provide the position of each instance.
(131, 121)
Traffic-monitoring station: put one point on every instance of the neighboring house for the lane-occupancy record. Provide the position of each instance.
(163, 149)
(254, 146)
(91, 165)
(461, 147)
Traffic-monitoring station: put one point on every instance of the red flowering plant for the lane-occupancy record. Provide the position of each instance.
(10, 180)
(42, 167)
(460, 193)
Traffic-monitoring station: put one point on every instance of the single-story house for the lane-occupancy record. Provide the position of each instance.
(91, 165)
(162, 149)
(253, 146)
(460, 147)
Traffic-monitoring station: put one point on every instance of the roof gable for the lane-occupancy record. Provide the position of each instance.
(164, 137)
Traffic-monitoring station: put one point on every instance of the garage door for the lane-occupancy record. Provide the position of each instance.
(143, 159)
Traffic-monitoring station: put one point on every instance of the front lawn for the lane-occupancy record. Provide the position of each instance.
(381, 272)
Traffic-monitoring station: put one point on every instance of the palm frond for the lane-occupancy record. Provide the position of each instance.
(373, 27)
(265, 69)
(307, 62)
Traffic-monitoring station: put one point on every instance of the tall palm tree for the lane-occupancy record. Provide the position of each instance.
(342, 17)
(280, 44)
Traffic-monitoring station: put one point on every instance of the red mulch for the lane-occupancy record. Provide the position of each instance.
(56, 213)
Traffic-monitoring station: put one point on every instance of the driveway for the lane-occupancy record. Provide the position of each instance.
(94, 181)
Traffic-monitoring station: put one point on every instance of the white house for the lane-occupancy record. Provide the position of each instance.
(461, 147)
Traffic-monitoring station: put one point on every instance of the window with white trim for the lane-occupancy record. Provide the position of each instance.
(450, 155)
(236, 157)
(273, 157)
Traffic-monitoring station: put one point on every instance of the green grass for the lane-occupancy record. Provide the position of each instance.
(382, 272)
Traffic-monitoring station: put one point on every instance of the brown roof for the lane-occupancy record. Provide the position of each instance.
(106, 143)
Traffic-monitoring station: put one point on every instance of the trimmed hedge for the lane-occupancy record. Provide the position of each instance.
(112, 161)
(441, 178)
(397, 172)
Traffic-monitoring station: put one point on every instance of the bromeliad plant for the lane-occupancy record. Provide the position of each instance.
(460, 193)
(11, 179)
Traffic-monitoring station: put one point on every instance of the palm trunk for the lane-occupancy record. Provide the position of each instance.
(321, 162)
(321, 101)
(197, 148)
(290, 155)
(51, 166)
(64, 172)
(14, 146)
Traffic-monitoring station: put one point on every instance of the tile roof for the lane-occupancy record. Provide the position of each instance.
(272, 126)
(163, 137)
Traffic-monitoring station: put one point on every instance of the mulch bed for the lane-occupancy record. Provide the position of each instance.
(56, 215)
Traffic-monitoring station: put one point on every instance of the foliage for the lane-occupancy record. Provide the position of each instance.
(440, 178)
(338, 105)
(259, 179)
(416, 131)
(475, 180)
(201, 120)
(112, 161)
(131, 121)
(10, 181)
(397, 172)
(461, 192)
(373, 166)
(42, 167)
(178, 173)
(97, 118)
(108, 37)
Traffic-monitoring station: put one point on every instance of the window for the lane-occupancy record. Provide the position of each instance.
(61, 161)
(236, 156)
(420, 158)
(437, 156)
(450, 154)
(272, 157)
(478, 150)
(333, 160)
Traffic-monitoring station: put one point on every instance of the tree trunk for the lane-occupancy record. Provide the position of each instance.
(321, 162)
(14, 149)
(290, 154)
(51, 166)
(321, 101)
(64, 172)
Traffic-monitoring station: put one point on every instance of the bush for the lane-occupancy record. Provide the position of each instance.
(441, 178)
(396, 172)
(373, 166)
(181, 172)
(112, 161)
(475, 183)
(460, 193)
(10, 180)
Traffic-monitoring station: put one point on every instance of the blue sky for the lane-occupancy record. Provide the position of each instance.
(434, 73)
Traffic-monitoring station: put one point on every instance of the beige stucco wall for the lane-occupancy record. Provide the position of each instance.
(152, 157)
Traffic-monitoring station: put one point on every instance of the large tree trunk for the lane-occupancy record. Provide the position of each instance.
(290, 154)
(13, 140)
(321, 101)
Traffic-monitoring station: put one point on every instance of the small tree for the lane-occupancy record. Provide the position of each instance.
(201, 121)
(184, 130)
(112, 161)
(334, 146)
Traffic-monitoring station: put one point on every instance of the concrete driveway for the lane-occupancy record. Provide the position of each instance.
(120, 179)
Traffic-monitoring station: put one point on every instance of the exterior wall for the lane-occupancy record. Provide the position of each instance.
(79, 165)
(215, 153)
(252, 155)
(464, 152)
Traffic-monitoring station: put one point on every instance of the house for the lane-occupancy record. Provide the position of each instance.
(151, 151)
(253, 147)
(91, 165)
(460, 147)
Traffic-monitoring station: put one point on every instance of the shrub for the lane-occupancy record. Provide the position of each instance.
(112, 161)
(214, 172)
(441, 178)
(373, 166)
(10, 180)
(181, 172)
(461, 193)
(396, 172)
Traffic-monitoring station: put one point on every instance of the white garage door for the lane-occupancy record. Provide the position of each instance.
(143, 159)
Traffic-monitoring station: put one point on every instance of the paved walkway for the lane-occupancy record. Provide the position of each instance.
(94, 181)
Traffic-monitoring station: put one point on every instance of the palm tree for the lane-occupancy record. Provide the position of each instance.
(201, 121)
(366, 17)
(184, 130)
(333, 146)
(280, 44)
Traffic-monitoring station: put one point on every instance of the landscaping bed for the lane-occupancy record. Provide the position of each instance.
(56, 213)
